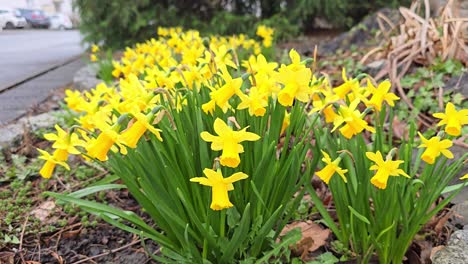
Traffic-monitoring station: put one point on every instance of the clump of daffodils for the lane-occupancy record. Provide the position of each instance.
(180, 59)
(207, 114)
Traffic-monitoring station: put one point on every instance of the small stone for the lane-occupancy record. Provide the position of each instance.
(455, 252)
(85, 78)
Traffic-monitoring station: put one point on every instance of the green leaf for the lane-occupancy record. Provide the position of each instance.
(358, 215)
(290, 238)
(233, 217)
(240, 234)
(94, 189)
(452, 188)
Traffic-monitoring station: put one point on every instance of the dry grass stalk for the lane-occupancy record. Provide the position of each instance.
(420, 40)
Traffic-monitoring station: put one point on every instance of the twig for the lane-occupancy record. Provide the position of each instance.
(107, 253)
(459, 142)
(368, 54)
(21, 239)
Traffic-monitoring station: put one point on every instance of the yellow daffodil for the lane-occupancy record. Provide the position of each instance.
(259, 65)
(331, 167)
(286, 122)
(228, 141)
(255, 102)
(348, 86)
(74, 100)
(355, 123)
(94, 48)
(132, 135)
(222, 95)
(93, 57)
(98, 148)
(434, 147)
(381, 94)
(452, 119)
(464, 177)
(65, 141)
(51, 161)
(385, 169)
(220, 187)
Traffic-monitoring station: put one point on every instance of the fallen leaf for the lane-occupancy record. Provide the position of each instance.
(72, 233)
(400, 129)
(313, 236)
(43, 210)
(57, 257)
(7, 257)
(442, 221)
(435, 249)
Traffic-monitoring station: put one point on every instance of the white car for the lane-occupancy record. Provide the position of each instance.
(60, 21)
(11, 19)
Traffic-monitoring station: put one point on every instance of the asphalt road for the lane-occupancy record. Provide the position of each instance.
(24, 53)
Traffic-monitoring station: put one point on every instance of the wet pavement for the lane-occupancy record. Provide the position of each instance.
(25, 53)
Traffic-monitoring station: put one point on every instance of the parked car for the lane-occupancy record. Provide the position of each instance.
(60, 21)
(35, 18)
(11, 18)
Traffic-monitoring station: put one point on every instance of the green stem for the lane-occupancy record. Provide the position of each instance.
(222, 225)
(205, 249)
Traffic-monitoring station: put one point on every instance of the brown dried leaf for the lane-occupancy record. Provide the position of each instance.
(7, 257)
(435, 249)
(400, 129)
(442, 221)
(71, 233)
(43, 210)
(313, 236)
(57, 257)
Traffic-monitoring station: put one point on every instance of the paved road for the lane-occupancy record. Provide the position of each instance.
(55, 55)
(25, 52)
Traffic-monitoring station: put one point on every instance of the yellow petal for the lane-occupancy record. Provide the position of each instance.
(236, 177)
(220, 127)
(208, 137)
(202, 181)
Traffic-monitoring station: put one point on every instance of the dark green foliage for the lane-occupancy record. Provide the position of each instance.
(119, 23)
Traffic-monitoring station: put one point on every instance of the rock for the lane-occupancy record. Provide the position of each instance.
(374, 67)
(85, 78)
(455, 252)
(459, 84)
(461, 213)
(11, 132)
(362, 33)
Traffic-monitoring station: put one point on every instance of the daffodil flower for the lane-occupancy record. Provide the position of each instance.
(434, 147)
(99, 147)
(220, 187)
(381, 94)
(259, 65)
(464, 177)
(93, 57)
(453, 119)
(296, 85)
(255, 102)
(348, 86)
(385, 169)
(355, 123)
(228, 141)
(330, 169)
(65, 141)
(51, 161)
(94, 48)
(222, 95)
(132, 135)
(286, 122)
